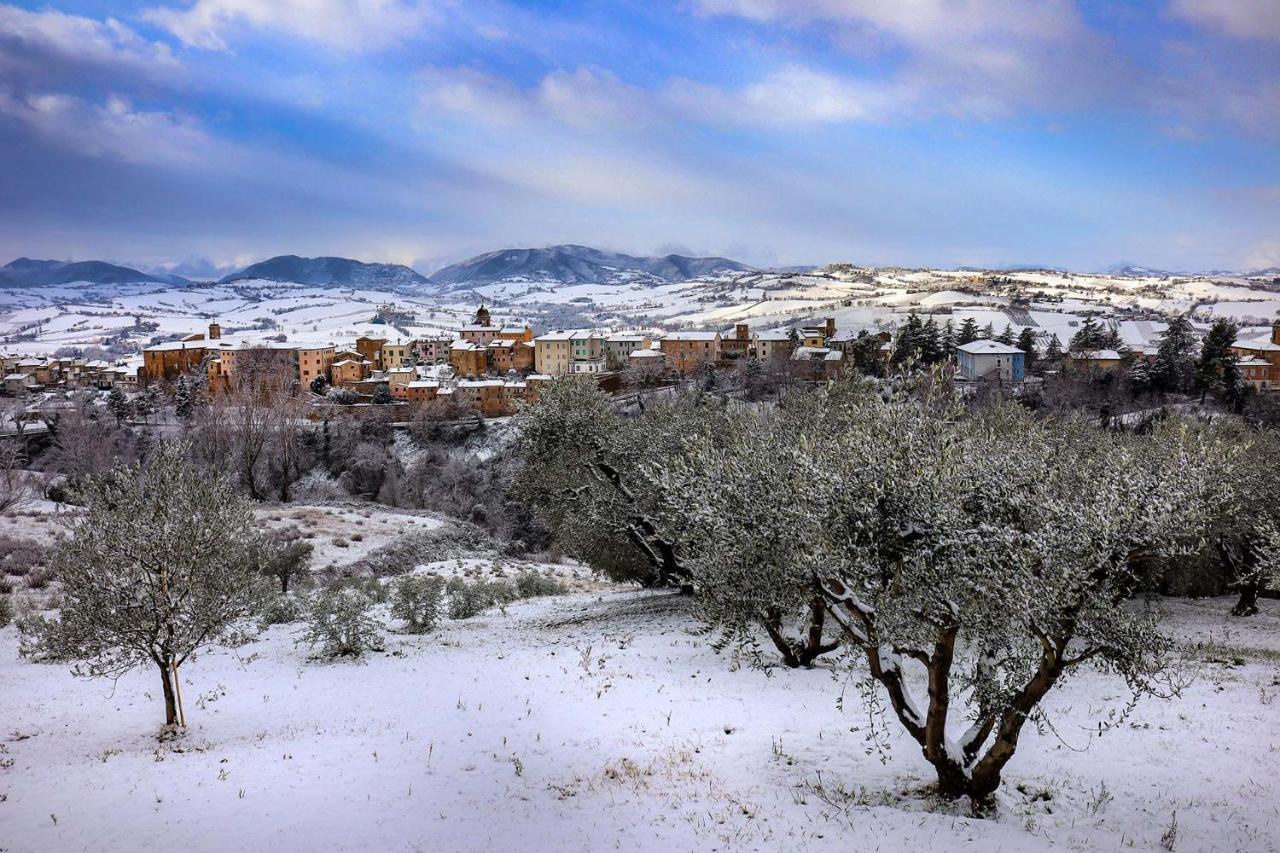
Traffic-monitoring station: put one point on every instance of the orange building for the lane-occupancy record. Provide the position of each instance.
(688, 351)
(468, 358)
(370, 350)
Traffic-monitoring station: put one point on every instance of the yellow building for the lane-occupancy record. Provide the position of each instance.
(553, 352)
(314, 361)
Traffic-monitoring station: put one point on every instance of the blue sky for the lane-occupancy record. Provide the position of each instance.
(202, 134)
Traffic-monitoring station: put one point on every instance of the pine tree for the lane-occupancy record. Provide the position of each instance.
(1006, 337)
(947, 341)
(1217, 372)
(119, 404)
(908, 342)
(1090, 337)
(930, 344)
(988, 332)
(968, 332)
(182, 399)
(1053, 352)
(1027, 343)
(1174, 366)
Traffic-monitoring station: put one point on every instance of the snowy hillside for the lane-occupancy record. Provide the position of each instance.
(42, 319)
(598, 720)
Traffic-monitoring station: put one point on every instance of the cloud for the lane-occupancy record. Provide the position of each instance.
(595, 99)
(790, 96)
(344, 24)
(978, 58)
(41, 46)
(1242, 19)
(112, 129)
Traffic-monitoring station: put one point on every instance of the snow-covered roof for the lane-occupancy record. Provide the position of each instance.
(645, 353)
(626, 337)
(1097, 355)
(463, 345)
(773, 335)
(1258, 345)
(987, 347)
(692, 336)
(557, 335)
(517, 331)
(833, 355)
(1253, 361)
(424, 383)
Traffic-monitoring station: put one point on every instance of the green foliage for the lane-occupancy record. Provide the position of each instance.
(280, 609)
(533, 584)
(339, 624)
(418, 600)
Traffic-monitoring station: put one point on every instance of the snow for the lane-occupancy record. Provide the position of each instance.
(598, 719)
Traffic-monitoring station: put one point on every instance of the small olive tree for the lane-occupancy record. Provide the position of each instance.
(162, 563)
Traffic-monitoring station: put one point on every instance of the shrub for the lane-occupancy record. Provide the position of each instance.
(280, 610)
(39, 578)
(339, 542)
(338, 622)
(532, 584)
(417, 599)
(6, 612)
(20, 556)
(499, 591)
(468, 599)
(6, 586)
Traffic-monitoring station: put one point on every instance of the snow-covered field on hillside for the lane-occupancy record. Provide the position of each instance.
(600, 720)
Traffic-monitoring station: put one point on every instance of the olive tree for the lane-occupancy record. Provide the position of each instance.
(970, 562)
(162, 563)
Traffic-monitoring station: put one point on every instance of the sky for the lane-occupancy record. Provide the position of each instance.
(202, 135)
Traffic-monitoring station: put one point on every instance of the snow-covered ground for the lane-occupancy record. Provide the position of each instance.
(599, 720)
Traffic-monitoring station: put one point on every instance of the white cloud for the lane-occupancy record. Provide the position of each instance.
(32, 42)
(963, 57)
(790, 96)
(112, 129)
(344, 24)
(1243, 19)
(593, 99)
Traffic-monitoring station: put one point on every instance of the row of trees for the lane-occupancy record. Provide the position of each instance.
(988, 555)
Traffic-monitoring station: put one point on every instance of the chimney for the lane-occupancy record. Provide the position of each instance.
(215, 331)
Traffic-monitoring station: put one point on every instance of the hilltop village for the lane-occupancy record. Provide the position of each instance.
(489, 368)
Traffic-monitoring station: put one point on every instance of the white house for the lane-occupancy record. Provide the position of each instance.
(987, 359)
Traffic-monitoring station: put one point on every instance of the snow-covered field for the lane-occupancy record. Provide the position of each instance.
(42, 320)
(599, 720)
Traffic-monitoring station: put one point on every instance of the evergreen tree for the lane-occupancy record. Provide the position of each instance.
(1174, 365)
(1217, 372)
(319, 385)
(1006, 337)
(988, 332)
(1027, 343)
(1111, 338)
(968, 332)
(1053, 352)
(930, 342)
(382, 396)
(119, 404)
(947, 340)
(182, 399)
(866, 351)
(1090, 337)
(908, 342)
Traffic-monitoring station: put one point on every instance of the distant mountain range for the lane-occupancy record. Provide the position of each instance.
(28, 272)
(577, 265)
(566, 264)
(325, 271)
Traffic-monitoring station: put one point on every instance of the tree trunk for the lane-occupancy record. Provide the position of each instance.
(170, 698)
(1248, 603)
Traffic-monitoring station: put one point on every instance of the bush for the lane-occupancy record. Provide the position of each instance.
(531, 584)
(280, 610)
(6, 586)
(41, 577)
(499, 591)
(338, 622)
(6, 612)
(417, 599)
(20, 556)
(468, 599)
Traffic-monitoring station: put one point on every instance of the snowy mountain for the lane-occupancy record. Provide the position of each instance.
(578, 265)
(30, 272)
(326, 271)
